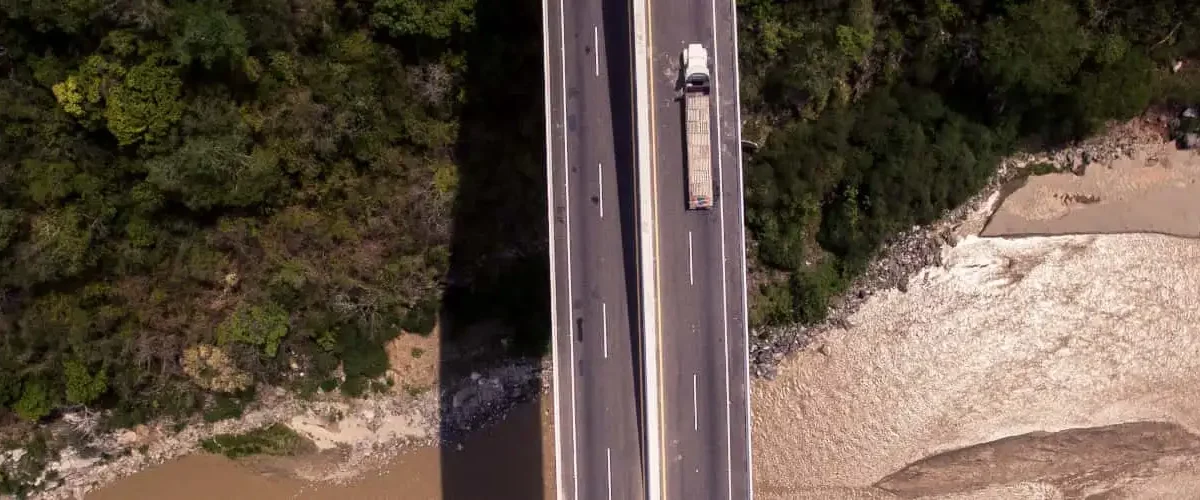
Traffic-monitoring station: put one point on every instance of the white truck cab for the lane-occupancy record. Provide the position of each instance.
(695, 65)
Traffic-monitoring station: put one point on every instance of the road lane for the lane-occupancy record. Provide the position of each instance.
(701, 266)
(589, 144)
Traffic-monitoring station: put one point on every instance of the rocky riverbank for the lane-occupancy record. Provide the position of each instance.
(360, 434)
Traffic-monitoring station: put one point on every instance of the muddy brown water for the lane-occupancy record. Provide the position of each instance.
(499, 458)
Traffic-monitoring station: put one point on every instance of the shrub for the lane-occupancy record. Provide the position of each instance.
(274, 439)
(259, 325)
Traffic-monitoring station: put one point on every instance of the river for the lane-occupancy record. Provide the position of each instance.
(507, 460)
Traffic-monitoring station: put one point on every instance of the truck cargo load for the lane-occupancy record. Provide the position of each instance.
(697, 133)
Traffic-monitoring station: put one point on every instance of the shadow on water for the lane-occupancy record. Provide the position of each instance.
(496, 304)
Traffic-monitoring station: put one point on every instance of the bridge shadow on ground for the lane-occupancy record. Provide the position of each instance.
(496, 304)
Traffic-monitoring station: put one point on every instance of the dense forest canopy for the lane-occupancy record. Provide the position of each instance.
(198, 196)
(878, 115)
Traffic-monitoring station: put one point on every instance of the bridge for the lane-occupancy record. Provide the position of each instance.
(651, 378)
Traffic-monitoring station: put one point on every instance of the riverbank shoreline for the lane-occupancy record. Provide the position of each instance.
(365, 434)
(921, 247)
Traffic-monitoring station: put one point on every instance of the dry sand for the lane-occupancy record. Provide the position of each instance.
(1008, 340)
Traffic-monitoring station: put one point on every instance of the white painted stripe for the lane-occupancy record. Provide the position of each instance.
(608, 465)
(691, 265)
(604, 319)
(547, 75)
(600, 179)
(741, 209)
(695, 403)
(562, 54)
(596, 47)
(724, 276)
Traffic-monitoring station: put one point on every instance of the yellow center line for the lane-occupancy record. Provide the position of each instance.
(657, 260)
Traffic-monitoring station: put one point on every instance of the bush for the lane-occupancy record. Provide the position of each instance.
(274, 439)
(263, 326)
(363, 359)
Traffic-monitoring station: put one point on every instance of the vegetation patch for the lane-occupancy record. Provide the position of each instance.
(274, 439)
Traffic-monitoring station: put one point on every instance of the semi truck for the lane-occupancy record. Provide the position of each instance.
(696, 127)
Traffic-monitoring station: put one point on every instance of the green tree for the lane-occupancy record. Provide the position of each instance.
(35, 401)
(436, 19)
(69, 15)
(140, 103)
(82, 386)
(206, 33)
(60, 244)
(146, 104)
(215, 171)
(258, 325)
(1037, 46)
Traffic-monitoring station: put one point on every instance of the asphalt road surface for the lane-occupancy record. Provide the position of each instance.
(701, 263)
(591, 174)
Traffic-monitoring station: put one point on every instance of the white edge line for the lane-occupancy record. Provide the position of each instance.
(562, 48)
(724, 274)
(737, 93)
(550, 185)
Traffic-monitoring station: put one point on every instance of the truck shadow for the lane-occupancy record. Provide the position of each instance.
(495, 309)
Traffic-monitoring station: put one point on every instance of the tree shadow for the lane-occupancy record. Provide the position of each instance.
(496, 305)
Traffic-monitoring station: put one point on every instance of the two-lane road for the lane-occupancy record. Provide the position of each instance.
(700, 257)
(590, 182)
